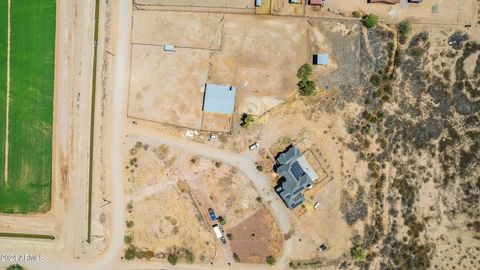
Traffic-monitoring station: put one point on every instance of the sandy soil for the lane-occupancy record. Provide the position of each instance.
(200, 31)
(158, 88)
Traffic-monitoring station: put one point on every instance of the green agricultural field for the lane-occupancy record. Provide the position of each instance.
(3, 85)
(32, 55)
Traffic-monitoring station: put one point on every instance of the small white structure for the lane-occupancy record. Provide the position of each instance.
(169, 48)
(217, 231)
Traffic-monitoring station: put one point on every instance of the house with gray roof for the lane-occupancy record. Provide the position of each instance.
(297, 175)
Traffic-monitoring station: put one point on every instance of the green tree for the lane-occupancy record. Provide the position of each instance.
(15, 267)
(356, 14)
(129, 253)
(247, 120)
(172, 259)
(370, 21)
(271, 260)
(306, 87)
(304, 72)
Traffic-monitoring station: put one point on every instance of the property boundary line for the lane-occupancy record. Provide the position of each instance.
(92, 125)
(27, 235)
(181, 47)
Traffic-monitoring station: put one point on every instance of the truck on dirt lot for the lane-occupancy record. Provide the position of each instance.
(218, 231)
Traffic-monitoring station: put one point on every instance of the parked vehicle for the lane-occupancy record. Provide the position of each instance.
(316, 205)
(217, 231)
(212, 137)
(322, 248)
(212, 214)
(253, 146)
(222, 239)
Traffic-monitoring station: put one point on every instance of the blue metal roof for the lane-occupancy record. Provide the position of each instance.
(320, 59)
(219, 98)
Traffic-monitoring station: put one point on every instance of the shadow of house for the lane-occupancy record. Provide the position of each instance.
(297, 175)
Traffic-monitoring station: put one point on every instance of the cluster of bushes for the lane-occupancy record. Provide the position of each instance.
(404, 28)
(306, 86)
(247, 120)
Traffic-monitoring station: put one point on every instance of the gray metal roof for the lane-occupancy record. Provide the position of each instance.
(320, 59)
(298, 175)
(219, 98)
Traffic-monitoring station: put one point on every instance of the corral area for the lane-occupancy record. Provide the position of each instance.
(169, 193)
(27, 82)
(261, 62)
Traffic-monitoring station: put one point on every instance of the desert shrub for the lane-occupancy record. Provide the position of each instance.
(172, 259)
(229, 236)
(130, 224)
(376, 80)
(15, 267)
(129, 253)
(370, 21)
(404, 27)
(387, 88)
(356, 14)
(223, 222)
(189, 258)
(260, 168)
(271, 260)
(398, 60)
(247, 120)
(358, 254)
(127, 239)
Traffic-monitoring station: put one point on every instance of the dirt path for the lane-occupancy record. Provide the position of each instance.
(7, 109)
(149, 191)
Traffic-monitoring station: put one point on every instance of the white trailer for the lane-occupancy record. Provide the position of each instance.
(217, 231)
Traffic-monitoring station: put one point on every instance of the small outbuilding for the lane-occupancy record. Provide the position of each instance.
(169, 48)
(320, 59)
(219, 98)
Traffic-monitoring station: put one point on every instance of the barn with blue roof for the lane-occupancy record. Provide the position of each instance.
(219, 99)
